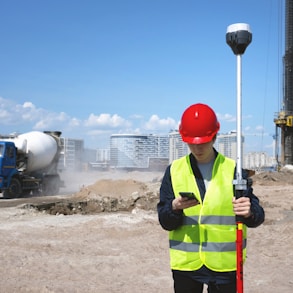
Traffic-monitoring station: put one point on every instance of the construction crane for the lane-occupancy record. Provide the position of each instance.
(284, 119)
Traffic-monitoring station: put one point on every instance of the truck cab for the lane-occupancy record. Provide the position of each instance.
(7, 162)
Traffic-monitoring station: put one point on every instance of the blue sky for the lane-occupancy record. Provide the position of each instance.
(92, 68)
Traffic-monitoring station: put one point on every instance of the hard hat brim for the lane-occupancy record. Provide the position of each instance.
(198, 140)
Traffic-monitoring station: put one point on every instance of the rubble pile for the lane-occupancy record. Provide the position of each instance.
(283, 177)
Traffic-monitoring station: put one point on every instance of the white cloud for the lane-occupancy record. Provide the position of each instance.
(231, 118)
(52, 121)
(27, 116)
(155, 123)
(29, 112)
(4, 115)
(28, 105)
(226, 117)
(106, 120)
(15, 114)
(4, 103)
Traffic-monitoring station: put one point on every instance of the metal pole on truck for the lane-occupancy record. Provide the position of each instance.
(238, 37)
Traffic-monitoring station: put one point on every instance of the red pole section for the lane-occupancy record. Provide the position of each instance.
(239, 253)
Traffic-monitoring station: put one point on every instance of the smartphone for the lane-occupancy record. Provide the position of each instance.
(189, 195)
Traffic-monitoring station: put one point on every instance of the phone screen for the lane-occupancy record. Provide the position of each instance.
(189, 195)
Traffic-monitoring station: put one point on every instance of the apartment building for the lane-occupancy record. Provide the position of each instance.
(177, 148)
(72, 155)
(137, 151)
(226, 144)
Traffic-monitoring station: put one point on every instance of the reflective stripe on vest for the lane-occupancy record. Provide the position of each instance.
(206, 246)
(208, 232)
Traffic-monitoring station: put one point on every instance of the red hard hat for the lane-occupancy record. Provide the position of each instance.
(199, 124)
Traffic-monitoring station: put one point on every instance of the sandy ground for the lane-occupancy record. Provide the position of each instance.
(127, 251)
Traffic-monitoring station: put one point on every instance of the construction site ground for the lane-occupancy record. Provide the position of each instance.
(101, 234)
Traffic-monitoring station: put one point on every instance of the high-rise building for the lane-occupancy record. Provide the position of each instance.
(72, 156)
(258, 161)
(226, 144)
(137, 151)
(102, 155)
(177, 148)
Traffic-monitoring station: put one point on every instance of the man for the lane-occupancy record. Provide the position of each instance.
(202, 235)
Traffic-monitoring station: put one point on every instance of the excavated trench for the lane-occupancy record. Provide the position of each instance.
(94, 206)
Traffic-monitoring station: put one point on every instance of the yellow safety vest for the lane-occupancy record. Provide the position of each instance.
(208, 233)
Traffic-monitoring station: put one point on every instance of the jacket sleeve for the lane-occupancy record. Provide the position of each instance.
(258, 214)
(169, 219)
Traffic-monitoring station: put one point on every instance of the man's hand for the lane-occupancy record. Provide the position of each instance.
(241, 207)
(181, 203)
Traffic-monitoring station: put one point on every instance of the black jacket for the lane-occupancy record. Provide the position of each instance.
(171, 220)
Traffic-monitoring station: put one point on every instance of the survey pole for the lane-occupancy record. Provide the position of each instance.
(238, 37)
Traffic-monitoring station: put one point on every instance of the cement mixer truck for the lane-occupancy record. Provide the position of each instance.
(28, 164)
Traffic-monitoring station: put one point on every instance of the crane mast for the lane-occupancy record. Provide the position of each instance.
(284, 119)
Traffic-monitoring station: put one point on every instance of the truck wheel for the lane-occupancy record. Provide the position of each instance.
(14, 190)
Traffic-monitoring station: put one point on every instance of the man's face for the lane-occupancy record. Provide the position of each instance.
(204, 152)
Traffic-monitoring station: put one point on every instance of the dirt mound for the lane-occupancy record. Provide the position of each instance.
(283, 177)
(112, 188)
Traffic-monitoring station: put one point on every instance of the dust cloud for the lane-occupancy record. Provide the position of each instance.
(75, 181)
